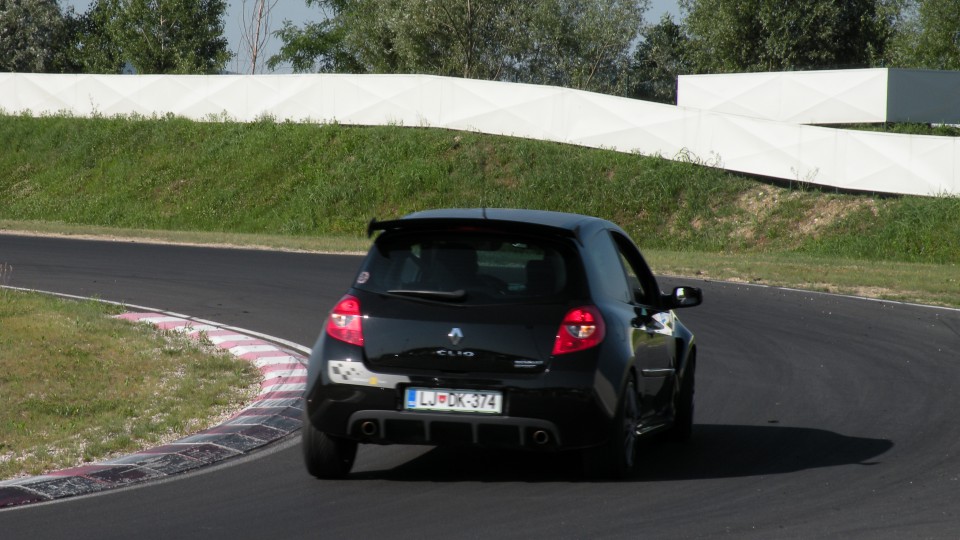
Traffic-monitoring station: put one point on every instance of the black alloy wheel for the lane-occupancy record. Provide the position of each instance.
(326, 456)
(617, 458)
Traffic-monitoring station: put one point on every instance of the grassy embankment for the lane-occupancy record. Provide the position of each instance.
(78, 386)
(315, 187)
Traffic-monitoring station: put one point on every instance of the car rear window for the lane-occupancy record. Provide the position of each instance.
(469, 267)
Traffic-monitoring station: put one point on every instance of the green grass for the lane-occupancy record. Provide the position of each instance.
(315, 244)
(939, 130)
(924, 283)
(78, 386)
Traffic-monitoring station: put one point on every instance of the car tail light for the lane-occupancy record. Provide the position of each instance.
(581, 329)
(345, 321)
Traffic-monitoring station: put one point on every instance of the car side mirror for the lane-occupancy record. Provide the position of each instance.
(684, 297)
(639, 297)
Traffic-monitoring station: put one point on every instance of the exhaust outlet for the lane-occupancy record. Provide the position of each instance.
(368, 428)
(541, 437)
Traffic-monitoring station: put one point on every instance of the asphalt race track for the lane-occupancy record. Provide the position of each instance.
(817, 416)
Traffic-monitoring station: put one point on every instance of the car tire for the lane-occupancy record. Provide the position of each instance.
(682, 429)
(617, 458)
(326, 456)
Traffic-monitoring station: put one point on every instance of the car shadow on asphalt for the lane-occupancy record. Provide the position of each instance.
(716, 451)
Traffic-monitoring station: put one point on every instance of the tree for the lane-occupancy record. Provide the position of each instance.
(576, 43)
(34, 36)
(320, 46)
(317, 47)
(461, 38)
(256, 31)
(466, 38)
(155, 36)
(929, 38)
(97, 45)
(659, 58)
(771, 35)
(939, 46)
(582, 44)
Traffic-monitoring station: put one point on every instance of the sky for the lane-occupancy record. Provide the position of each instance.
(297, 12)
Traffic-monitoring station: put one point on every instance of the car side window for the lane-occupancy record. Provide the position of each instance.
(636, 288)
(605, 257)
(639, 277)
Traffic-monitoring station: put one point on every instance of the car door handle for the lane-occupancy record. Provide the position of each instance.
(665, 372)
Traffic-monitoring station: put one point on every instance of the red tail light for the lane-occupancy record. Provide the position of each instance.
(345, 321)
(581, 329)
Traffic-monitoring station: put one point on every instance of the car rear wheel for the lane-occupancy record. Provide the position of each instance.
(682, 428)
(617, 458)
(326, 456)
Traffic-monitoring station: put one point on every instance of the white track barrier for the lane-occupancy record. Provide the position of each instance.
(850, 160)
(843, 96)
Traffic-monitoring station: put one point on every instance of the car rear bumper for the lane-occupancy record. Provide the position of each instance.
(537, 419)
(446, 428)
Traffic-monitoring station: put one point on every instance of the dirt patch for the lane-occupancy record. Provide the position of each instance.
(828, 211)
(761, 200)
(758, 208)
(508, 182)
(754, 207)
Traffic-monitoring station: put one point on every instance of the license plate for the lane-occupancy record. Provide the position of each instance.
(440, 399)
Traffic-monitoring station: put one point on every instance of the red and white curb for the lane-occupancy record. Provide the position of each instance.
(274, 414)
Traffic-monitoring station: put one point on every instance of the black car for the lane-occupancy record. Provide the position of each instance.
(501, 328)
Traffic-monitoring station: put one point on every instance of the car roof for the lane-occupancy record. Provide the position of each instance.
(559, 222)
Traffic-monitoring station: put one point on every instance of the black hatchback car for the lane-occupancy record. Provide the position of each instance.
(501, 328)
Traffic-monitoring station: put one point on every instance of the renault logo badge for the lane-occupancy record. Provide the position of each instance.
(455, 336)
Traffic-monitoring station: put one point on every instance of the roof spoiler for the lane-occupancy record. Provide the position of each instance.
(372, 227)
(464, 223)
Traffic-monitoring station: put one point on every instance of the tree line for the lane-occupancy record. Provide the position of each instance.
(151, 36)
(597, 45)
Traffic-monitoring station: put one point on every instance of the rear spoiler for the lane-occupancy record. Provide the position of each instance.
(466, 224)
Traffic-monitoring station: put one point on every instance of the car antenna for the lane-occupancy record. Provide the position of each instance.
(484, 210)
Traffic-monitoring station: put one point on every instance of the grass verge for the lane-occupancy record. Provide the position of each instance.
(930, 284)
(314, 244)
(79, 386)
